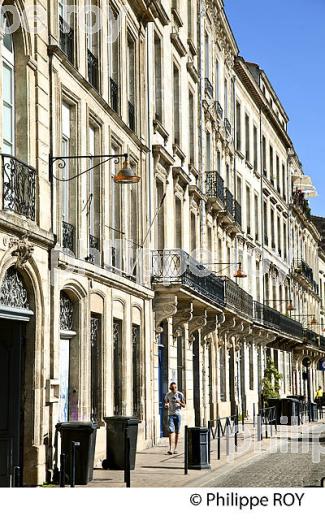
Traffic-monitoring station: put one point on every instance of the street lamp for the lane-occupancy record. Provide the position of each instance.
(290, 306)
(125, 175)
(239, 273)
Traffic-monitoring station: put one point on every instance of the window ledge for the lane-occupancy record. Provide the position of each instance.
(178, 44)
(248, 164)
(192, 71)
(178, 152)
(177, 17)
(158, 127)
(192, 46)
(240, 154)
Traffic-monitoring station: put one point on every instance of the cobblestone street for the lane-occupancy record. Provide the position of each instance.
(292, 469)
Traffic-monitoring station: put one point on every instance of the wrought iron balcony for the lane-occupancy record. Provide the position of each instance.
(19, 187)
(273, 319)
(322, 342)
(219, 110)
(93, 69)
(302, 268)
(94, 250)
(208, 88)
(114, 95)
(215, 186)
(311, 337)
(68, 237)
(237, 213)
(227, 126)
(237, 298)
(178, 267)
(131, 116)
(229, 202)
(300, 202)
(66, 39)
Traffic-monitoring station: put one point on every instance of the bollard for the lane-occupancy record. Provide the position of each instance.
(254, 416)
(236, 432)
(227, 441)
(62, 469)
(127, 462)
(209, 441)
(219, 440)
(17, 477)
(73, 463)
(259, 429)
(186, 451)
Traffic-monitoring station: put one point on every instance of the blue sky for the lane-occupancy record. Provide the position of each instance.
(287, 39)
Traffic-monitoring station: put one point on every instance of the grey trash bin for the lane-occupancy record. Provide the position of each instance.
(198, 448)
(116, 429)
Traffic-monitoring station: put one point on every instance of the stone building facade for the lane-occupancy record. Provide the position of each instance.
(109, 292)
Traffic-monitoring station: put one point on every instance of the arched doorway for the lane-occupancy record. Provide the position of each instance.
(16, 322)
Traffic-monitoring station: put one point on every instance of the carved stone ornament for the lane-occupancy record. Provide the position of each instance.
(23, 250)
(184, 315)
(197, 322)
(165, 306)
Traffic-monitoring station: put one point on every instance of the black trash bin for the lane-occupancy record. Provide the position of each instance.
(313, 412)
(116, 429)
(290, 411)
(198, 448)
(84, 433)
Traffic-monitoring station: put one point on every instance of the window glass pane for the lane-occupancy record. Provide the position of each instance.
(7, 124)
(7, 84)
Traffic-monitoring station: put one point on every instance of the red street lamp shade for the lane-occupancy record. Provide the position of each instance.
(126, 175)
(240, 273)
(290, 306)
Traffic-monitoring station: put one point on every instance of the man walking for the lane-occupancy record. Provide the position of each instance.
(174, 402)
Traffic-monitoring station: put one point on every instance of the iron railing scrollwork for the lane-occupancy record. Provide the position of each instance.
(19, 187)
(114, 95)
(66, 312)
(92, 69)
(68, 237)
(66, 39)
(13, 292)
(301, 267)
(229, 201)
(237, 213)
(215, 186)
(237, 298)
(275, 320)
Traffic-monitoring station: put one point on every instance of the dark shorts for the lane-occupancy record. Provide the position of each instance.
(174, 423)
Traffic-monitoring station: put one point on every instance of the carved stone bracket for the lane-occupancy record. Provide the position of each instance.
(198, 322)
(23, 250)
(183, 315)
(210, 326)
(165, 306)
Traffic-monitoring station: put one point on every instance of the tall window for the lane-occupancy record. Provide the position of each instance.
(8, 92)
(271, 165)
(68, 188)
(266, 223)
(277, 161)
(251, 367)
(264, 155)
(247, 137)
(284, 184)
(66, 23)
(257, 222)
(134, 251)
(176, 87)
(160, 221)
(131, 82)
(116, 226)
(208, 152)
(238, 126)
(191, 115)
(207, 56)
(190, 23)
(219, 162)
(255, 148)
(92, 44)
(94, 198)
(222, 365)
(226, 98)
(178, 223)
(117, 366)
(158, 81)
(248, 210)
(217, 81)
(193, 234)
(114, 59)
(95, 344)
(136, 373)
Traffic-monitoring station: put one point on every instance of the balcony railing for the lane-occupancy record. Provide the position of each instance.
(237, 298)
(227, 126)
(114, 95)
(299, 201)
(66, 39)
(93, 69)
(311, 337)
(275, 320)
(229, 202)
(19, 187)
(68, 237)
(301, 267)
(208, 88)
(131, 116)
(322, 342)
(219, 110)
(178, 267)
(237, 213)
(215, 186)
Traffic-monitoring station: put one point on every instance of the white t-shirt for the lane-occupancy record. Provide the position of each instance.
(174, 408)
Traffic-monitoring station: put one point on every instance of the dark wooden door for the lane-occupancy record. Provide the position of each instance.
(11, 364)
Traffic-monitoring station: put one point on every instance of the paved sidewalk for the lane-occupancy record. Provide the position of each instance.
(155, 468)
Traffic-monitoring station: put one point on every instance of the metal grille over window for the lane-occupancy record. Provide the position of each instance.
(13, 292)
(95, 326)
(19, 185)
(66, 312)
(117, 363)
(136, 371)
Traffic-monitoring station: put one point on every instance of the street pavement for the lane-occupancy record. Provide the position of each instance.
(285, 460)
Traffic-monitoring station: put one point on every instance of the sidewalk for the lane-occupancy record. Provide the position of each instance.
(155, 468)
